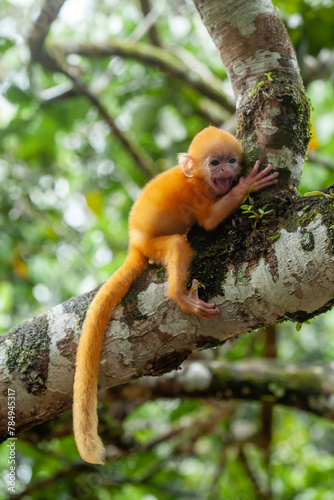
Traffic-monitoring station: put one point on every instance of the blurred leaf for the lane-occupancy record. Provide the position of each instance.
(19, 267)
(17, 96)
(95, 202)
(5, 44)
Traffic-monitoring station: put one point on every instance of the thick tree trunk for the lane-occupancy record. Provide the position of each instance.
(272, 110)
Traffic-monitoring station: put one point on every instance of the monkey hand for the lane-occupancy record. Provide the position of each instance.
(189, 301)
(199, 307)
(257, 180)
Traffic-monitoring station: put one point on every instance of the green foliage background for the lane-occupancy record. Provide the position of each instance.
(66, 188)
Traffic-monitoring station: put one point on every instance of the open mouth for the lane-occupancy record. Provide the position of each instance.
(222, 185)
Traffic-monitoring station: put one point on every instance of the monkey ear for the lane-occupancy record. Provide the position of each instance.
(187, 163)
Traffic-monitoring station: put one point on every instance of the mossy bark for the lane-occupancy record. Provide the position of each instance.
(272, 109)
(240, 242)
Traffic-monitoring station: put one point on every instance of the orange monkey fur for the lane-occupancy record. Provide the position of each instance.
(199, 189)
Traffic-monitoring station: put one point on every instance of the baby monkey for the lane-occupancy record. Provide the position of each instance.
(203, 188)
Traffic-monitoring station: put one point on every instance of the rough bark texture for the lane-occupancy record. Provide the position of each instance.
(272, 110)
(251, 40)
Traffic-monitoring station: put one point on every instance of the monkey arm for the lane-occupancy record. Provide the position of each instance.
(229, 203)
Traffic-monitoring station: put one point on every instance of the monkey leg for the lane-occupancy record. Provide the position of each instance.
(176, 254)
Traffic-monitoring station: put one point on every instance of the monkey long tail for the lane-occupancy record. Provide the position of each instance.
(85, 420)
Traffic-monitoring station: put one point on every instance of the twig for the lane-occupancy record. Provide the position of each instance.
(142, 161)
(317, 68)
(315, 158)
(64, 90)
(47, 16)
(148, 24)
(262, 495)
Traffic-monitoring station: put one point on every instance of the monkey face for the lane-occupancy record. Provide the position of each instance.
(222, 170)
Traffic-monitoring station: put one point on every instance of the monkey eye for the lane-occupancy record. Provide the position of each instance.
(214, 163)
(232, 160)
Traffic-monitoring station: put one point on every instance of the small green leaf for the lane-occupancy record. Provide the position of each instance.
(315, 193)
(199, 285)
(275, 237)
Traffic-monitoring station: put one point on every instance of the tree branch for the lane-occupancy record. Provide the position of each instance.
(42, 25)
(193, 430)
(266, 281)
(300, 387)
(318, 68)
(150, 17)
(145, 163)
(315, 158)
(156, 57)
(268, 382)
(252, 474)
(49, 61)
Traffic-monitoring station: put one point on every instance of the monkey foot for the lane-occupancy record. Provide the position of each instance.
(192, 303)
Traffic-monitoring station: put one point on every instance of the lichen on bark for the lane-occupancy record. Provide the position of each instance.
(274, 122)
(28, 354)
